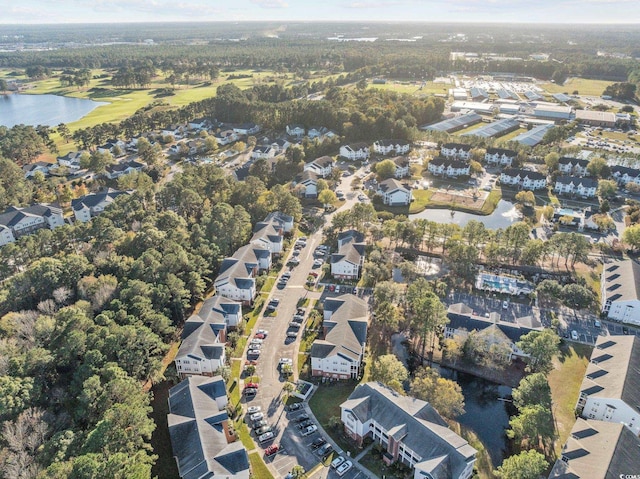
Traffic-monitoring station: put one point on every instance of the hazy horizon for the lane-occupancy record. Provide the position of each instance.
(605, 12)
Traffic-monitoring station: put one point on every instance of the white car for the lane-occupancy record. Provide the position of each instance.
(253, 352)
(256, 416)
(262, 331)
(505, 304)
(285, 361)
(337, 461)
(344, 467)
(574, 335)
(253, 409)
(256, 341)
(310, 430)
(267, 436)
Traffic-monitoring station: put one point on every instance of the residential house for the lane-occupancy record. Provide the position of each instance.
(322, 166)
(247, 129)
(237, 275)
(624, 175)
(493, 331)
(394, 193)
(620, 290)
(448, 167)
(307, 183)
(355, 151)
(576, 186)
(226, 137)
(402, 166)
(573, 166)
(39, 166)
(262, 153)
(500, 156)
(125, 168)
(199, 124)
(339, 355)
(397, 147)
(268, 235)
(295, 130)
(93, 204)
(111, 146)
(610, 390)
(597, 450)
(456, 150)
(320, 132)
(347, 262)
(71, 160)
(283, 220)
(202, 436)
(202, 351)
(410, 430)
(525, 179)
(347, 236)
(280, 146)
(16, 222)
(176, 131)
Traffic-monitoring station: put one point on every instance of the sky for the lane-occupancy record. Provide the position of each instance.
(118, 11)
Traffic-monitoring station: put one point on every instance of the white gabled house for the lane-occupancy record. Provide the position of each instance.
(397, 147)
(280, 145)
(525, 179)
(339, 355)
(247, 129)
(620, 291)
(320, 132)
(71, 160)
(93, 204)
(16, 222)
(111, 145)
(500, 156)
(199, 124)
(284, 221)
(226, 137)
(394, 193)
(237, 280)
(39, 166)
(322, 166)
(402, 166)
(268, 235)
(456, 150)
(295, 130)
(307, 183)
(348, 261)
(262, 153)
(572, 166)
(448, 167)
(624, 175)
(571, 185)
(125, 168)
(355, 151)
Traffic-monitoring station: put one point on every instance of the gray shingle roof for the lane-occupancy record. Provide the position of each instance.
(347, 328)
(585, 182)
(598, 450)
(196, 421)
(390, 185)
(532, 175)
(613, 369)
(349, 251)
(94, 199)
(621, 280)
(416, 423)
(13, 215)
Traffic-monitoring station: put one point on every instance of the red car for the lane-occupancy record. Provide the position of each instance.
(251, 362)
(251, 385)
(259, 336)
(313, 273)
(332, 288)
(271, 450)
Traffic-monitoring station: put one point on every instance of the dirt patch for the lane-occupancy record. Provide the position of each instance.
(466, 201)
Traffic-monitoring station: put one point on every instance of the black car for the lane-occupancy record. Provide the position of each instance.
(302, 417)
(324, 450)
(305, 424)
(320, 441)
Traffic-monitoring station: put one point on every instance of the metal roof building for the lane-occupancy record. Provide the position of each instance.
(533, 136)
(454, 124)
(478, 107)
(497, 128)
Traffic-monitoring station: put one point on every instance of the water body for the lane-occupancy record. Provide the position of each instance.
(48, 110)
(485, 413)
(504, 215)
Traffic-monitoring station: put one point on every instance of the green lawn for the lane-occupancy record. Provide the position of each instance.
(259, 469)
(412, 88)
(510, 136)
(245, 436)
(582, 85)
(325, 404)
(565, 381)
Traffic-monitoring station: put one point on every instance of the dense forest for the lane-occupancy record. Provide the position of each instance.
(88, 311)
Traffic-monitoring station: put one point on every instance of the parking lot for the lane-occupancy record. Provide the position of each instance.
(483, 305)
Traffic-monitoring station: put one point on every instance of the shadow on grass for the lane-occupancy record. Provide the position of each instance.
(107, 93)
(165, 467)
(569, 350)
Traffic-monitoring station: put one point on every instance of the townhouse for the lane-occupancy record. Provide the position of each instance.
(456, 150)
(320, 132)
(500, 156)
(347, 262)
(610, 390)
(247, 129)
(262, 152)
(525, 179)
(573, 166)
(93, 204)
(295, 130)
(355, 151)
(397, 147)
(125, 168)
(16, 222)
(71, 160)
(576, 186)
(307, 182)
(202, 437)
(322, 166)
(402, 166)
(339, 355)
(624, 175)
(620, 290)
(268, 235)
(226, 137)
(410, 430)
(31, 169)
(394, 193)
(448, 167)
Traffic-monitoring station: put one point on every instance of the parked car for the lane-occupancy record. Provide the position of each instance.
(267, 436)
(256, 416)
(337, 462)
(251, 385)
(313, 273)
(253, 352)
(253, 409)
(260, 336)
(271, 450)
(324, 450)
(285, 361)
(317, 442)
(574, 335)
(505, 304)
(250, 391)
(342, 469)
(305, 424)
(295, 406)
(292, 334)
(260, 423)
(264, 332)
(256, 341)
(310, 430)
(263, 430)
(294, 325)
(302, 417)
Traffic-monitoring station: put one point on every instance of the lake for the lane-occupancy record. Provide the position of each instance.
(504, 215)
(48, 110)
(485, 413)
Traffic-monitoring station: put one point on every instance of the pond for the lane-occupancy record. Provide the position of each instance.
(48, 110)
(504, 215)
(486, 413)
